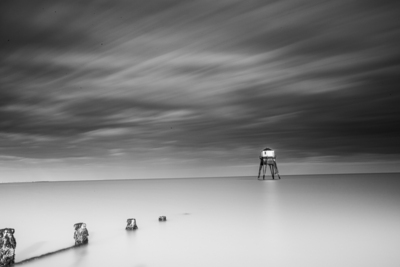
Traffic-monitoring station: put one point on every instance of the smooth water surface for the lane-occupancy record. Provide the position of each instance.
(329, 220)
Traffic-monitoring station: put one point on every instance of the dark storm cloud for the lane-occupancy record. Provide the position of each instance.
(100, 78)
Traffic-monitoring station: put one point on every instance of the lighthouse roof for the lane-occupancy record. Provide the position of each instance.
(267, 148)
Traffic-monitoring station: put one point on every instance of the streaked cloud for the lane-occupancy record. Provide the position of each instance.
(193, 81)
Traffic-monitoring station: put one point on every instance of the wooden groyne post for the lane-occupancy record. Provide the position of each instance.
(81, 234)
(7, 247)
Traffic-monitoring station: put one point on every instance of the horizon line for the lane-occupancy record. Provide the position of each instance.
(202, 177)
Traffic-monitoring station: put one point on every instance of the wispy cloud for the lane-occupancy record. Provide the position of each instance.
(141, 80)
(113, 132)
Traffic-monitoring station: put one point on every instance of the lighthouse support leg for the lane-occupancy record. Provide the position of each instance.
(271, 167)
(276, 168)
(259, 170)
(264, 170)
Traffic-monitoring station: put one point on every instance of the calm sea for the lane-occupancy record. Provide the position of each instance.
(317, 220)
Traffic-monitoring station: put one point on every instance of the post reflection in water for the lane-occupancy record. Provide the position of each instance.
(80, 254)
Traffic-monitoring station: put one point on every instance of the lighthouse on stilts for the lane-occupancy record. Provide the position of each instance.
(268, 158)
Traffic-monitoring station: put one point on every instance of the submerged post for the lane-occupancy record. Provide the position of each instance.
(7, 247)
(81, 234)
(268, 158)
(131, 224)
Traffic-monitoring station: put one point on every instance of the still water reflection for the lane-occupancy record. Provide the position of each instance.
(335, 220)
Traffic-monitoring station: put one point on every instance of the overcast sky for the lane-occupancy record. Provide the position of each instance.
(138, 89)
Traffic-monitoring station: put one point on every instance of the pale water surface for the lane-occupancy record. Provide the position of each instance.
(326, 220)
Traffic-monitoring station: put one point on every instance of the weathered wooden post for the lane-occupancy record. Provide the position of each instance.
(162, 218)
(268, 158)
(7, 247)
(81, 234)
(131, 224)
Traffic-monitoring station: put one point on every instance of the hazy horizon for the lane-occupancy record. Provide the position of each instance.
(268, 177)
